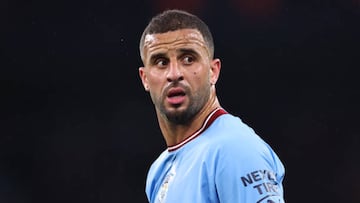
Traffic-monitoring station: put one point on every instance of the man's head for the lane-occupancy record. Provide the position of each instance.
(171, 20)
(179, 70)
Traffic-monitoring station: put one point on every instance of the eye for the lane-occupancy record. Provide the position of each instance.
(161, 62)
(188, 60)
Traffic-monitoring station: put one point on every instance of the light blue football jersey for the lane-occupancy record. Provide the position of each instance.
(224, 161)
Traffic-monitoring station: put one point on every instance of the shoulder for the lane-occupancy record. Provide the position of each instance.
(163, 157)
(236, 143)
(229, 132)
(159, 163)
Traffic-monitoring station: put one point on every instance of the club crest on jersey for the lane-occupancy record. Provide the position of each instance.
(165, 185)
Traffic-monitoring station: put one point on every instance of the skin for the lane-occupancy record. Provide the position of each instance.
(180, 76)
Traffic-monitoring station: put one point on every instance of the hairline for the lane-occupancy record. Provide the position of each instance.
(206, 43)
(205, 34)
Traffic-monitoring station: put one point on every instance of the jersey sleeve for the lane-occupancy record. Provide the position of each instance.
(249, 173)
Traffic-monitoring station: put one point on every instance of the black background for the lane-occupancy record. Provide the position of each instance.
(76, 125)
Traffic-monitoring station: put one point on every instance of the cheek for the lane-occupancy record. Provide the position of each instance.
(199, 79)
(154, 81)
(200, 75)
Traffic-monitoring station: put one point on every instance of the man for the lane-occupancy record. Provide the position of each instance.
(211, 155)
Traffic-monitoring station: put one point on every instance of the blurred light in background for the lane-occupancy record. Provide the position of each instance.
(193, 6)
(257, 10)
(253, 10)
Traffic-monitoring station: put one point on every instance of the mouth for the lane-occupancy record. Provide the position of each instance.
(175, 92)
(176, 96)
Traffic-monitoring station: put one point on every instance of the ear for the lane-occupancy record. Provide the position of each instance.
(142, 74)
(215, 71)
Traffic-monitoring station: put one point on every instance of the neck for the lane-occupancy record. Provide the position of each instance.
(176, 133)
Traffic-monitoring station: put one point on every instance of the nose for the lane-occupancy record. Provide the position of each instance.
(174, 72)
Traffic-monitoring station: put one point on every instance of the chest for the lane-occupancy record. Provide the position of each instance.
(189, 177)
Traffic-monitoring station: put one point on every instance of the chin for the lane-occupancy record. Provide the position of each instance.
(179, 115)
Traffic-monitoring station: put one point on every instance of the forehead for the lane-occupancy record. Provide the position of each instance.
(174, 39)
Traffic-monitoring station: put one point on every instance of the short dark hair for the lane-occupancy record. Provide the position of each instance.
(174, 19)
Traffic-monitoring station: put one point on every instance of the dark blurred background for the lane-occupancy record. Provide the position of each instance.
(76, 125)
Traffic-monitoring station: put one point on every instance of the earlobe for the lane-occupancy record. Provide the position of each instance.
(146, 87)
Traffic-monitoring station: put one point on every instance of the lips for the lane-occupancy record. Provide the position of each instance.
(176, 95)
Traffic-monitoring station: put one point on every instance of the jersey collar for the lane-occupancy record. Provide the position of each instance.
(208, 121)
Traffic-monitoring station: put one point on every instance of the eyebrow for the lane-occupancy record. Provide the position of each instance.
(181, 51)
(156, 56)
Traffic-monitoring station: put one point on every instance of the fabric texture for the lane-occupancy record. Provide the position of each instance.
(227, 163)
